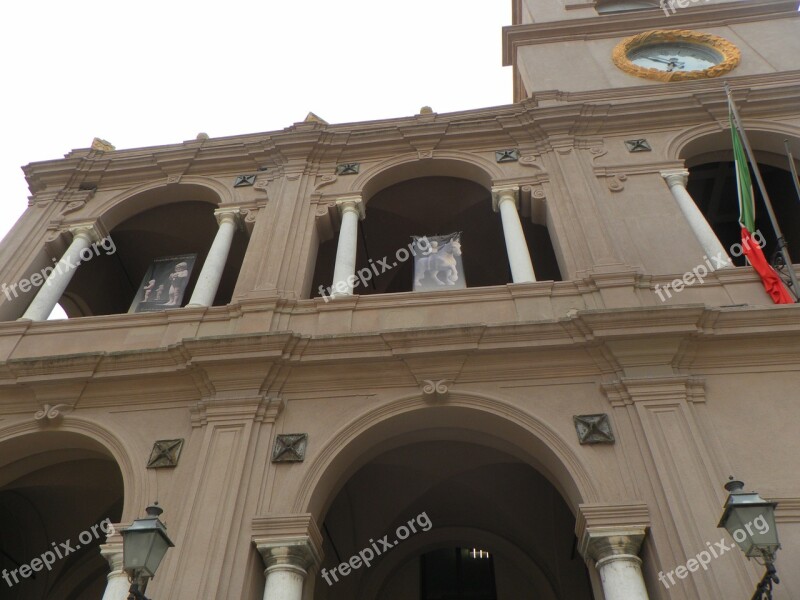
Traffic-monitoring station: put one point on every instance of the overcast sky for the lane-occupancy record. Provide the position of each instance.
(149, 73)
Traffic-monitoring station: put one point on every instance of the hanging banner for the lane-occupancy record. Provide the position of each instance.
(437, 262)
(164, 283)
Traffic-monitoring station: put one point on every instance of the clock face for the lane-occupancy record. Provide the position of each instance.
(675, 56)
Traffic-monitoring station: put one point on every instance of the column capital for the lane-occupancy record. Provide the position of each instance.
(292, 541)
(93, 231)
(351, 203)
(229, 213)
(112, 552)
(604, 543)
(503, 193)
(676, 177)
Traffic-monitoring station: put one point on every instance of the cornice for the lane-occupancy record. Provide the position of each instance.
(531, 126)
(633, 22)
(689, 337)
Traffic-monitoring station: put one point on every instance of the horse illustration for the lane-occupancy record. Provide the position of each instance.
(440, 263)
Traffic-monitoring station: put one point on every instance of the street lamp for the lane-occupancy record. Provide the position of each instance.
(751, 522)
(144, 544)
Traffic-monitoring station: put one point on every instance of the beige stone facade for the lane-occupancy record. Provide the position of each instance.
(315, 421)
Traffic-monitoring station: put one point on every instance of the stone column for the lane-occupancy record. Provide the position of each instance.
(615, 552)
(58, 280)
(118, 584)
(287, 563)
(208, 282)
(676, 180)
(505, 200)
(351, 209)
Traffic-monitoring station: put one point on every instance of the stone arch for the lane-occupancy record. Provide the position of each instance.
(707, 153)
(505, 427)
(100, 439)
(460, 165)
(133, 201)
(59, 484)
(766, 137)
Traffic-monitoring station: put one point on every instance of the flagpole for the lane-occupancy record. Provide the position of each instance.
(792, 168)
(767, 202)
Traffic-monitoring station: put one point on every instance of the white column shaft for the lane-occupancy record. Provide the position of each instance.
(694, 216)
(284, 582)
(117, 586)
(346, 252)
(517, 248)
(52, 289)
(208, 282)
(621, 576)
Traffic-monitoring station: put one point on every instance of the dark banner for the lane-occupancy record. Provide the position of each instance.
(437, 262)
(164, 284)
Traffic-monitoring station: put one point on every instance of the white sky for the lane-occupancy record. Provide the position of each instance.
(149, 73)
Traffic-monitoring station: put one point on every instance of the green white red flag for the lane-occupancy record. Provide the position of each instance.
(747, 220)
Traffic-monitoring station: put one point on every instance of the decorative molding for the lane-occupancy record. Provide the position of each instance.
(530, 160)
(165, 454)
(640, 145)
(348, 168)
(290, 447)
(616, 181)
(505, 156)
(51, 412)
(435, 390)
(593, 429)
(244, 181)
(326, 180)
(730, 54)
(597, 152)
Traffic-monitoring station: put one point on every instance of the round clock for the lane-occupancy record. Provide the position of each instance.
(676, 55)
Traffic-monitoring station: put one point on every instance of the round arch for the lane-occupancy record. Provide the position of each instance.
(766, 137)
(411, 418)
(121, 207)
(460, 165)
(86, 435)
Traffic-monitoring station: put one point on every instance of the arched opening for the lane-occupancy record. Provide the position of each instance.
(176, 230)
(442, 478)
(467, 490)
(712, 185)
(431, 206)
(59, 494)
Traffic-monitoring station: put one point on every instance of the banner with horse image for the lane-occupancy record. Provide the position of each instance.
(437, 262)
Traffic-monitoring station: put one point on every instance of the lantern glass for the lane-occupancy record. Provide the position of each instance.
(143, 550)
(144, 544)
(751, 523)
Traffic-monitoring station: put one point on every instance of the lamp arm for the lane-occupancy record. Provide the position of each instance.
(764, 589)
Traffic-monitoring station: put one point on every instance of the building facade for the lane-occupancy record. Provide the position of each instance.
(546, 408)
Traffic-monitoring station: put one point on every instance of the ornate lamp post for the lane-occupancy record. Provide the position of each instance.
(144, 545)
(751, 522)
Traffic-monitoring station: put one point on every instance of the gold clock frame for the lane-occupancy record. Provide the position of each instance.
(730, 53)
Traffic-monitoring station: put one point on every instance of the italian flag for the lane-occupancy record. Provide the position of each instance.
(747, 217)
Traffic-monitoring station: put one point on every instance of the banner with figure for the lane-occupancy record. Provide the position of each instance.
(437, 262)
(164, 284)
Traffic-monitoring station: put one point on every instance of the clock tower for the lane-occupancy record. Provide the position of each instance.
(594, 45)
